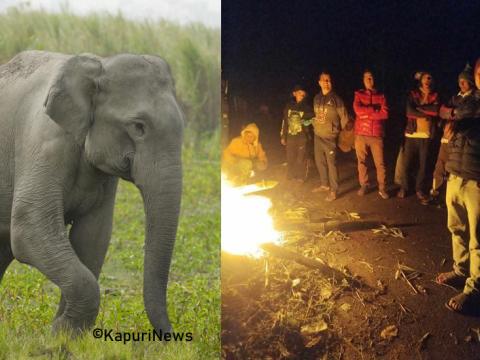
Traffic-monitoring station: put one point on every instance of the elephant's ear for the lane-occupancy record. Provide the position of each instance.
(70, 100)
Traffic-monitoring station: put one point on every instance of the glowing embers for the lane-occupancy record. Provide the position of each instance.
(246, 223)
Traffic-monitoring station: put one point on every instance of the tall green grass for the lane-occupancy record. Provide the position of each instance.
(28, 300)
(193, 51)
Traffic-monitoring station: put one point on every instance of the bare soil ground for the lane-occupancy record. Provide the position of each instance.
(301, 314)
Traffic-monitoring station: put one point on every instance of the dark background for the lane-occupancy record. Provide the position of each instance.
(268, 46)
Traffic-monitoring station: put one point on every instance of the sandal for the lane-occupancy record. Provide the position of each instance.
(463, 304)
(451, 279)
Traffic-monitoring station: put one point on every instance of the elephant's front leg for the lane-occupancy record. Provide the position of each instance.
(6, 256)
(39, 238)
(90, 235)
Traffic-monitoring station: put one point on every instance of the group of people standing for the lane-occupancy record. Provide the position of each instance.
(328, 116)
(458, 156)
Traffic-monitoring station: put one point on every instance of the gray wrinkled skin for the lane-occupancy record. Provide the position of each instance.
(69, 127)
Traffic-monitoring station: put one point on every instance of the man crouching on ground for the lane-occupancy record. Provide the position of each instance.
(244, 155)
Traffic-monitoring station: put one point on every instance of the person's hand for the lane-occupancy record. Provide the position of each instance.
(349, 126)
(283, 141)
(446, 112)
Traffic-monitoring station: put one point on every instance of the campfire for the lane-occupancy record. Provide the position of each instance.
(246, 223)
(279, 296)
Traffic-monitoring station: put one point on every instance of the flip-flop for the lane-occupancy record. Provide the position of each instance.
(467, 304)
(451, 279)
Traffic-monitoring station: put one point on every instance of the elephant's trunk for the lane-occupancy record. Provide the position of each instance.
(161, 191)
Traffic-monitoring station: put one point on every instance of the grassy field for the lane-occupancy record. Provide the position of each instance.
(28, 301)
(193, 51)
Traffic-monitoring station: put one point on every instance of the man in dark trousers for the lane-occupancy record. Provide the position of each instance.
(421, 110)
(294, 133)
(330, 117)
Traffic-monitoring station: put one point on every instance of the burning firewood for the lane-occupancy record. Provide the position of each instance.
(328, 225)
(284, 253)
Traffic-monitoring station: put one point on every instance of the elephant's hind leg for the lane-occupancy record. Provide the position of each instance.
(6, 258)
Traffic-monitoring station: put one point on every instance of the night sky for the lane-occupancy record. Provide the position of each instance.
(268, 46)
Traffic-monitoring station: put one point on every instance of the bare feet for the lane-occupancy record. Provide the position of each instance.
(463, 303)
(451, 279)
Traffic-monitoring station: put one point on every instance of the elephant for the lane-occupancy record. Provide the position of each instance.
(70, 126)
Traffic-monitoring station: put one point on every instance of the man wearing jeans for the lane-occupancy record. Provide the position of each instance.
(463, 202)
(330, 117)
(371, 112)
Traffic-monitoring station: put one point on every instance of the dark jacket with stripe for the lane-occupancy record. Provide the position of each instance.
(464, 147)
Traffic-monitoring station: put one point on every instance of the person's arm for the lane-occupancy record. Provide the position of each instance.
(262, 158)
(468, 109)
(430, 109)
(380, 109)
(411, 110)
(307, 120)
(343, 113)
(446, 110)
(284, 129)
(360, 109)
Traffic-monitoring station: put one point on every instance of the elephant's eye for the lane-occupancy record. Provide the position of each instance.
(138, 128)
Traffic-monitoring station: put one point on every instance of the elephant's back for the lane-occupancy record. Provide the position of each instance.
(23, 83)
(27, 64)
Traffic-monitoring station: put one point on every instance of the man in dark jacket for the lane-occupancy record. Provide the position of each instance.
(330, 117)
(466, 85)
(463, 202)
(371, 113)
(294, 133)
(422, 109)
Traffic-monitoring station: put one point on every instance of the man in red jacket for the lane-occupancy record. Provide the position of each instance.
(371, 112)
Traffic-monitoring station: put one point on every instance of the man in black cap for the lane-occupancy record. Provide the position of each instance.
(295, 133)
(463, 201)
(466, 86)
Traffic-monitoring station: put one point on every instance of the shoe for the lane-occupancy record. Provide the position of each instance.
(434, 192)
(402, 193)
(362, 191)
(321, 188)
(331, 196)
(424, 199)
(383, 194)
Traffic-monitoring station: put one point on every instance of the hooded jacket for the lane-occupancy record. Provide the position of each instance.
(371, 111)
(240, 149)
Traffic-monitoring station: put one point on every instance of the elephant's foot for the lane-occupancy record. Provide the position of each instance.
(71, 326)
